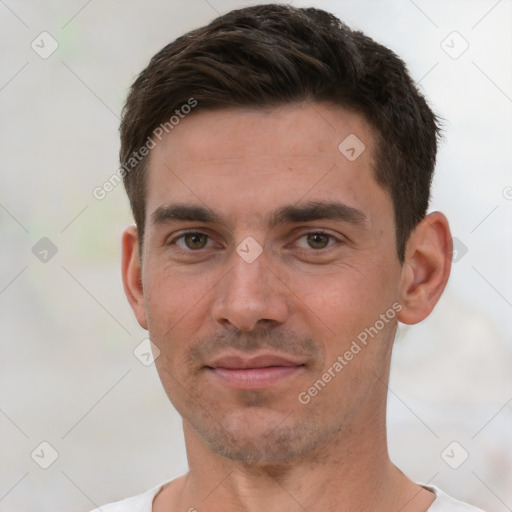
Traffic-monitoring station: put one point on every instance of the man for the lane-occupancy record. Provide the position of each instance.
(278, 166)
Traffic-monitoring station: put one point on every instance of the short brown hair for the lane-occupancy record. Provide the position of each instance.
(271, 55)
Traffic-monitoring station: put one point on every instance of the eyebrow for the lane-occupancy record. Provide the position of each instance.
(314, 210)
(183, 212)
(317, 210)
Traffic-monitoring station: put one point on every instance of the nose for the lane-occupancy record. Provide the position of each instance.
(250, 294)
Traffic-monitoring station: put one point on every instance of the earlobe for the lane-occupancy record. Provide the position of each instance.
(426, 269)
(132, 274)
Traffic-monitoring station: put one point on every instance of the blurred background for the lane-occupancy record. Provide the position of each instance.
(83, 420)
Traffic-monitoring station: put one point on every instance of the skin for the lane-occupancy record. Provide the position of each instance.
(317, 284)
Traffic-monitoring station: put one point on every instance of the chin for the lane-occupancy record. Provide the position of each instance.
(260, 437)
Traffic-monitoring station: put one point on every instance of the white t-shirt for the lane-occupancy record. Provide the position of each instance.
(144, 503)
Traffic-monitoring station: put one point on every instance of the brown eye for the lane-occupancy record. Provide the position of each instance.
(193, 241)
(318, 240)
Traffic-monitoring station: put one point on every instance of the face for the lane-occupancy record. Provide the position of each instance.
(269, 278)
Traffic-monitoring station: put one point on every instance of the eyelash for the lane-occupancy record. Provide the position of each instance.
(183, 235)
(333, 240)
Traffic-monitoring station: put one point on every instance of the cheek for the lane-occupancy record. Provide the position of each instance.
(347, 298)
(174, 312)
(174, 303)
(347, 307)
(357, 342)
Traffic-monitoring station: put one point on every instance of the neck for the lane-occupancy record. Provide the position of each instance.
(297, 485)
(352, 472)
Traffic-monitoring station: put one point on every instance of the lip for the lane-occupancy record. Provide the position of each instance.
(238, 362)
(257, 372)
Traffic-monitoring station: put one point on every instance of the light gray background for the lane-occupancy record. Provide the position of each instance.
(68, 373)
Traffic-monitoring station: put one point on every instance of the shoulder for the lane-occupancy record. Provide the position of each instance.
(445, 503)
(140, 503)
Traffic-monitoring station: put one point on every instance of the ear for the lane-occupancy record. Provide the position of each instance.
(132, 274)
(426, 269)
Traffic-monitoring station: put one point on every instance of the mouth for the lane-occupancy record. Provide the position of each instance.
(257, 372)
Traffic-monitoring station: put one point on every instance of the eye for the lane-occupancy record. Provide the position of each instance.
(192, 241)
(316, 240)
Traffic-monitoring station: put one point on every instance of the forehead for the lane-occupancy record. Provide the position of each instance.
(247, 159)
(302, 129)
